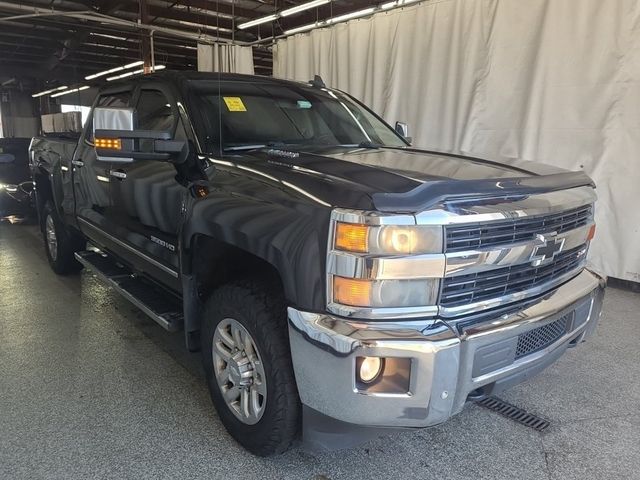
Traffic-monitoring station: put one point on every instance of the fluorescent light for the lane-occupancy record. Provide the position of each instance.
(73, 90)
(257, 21)
(349, 16)
(107, 36)
(113, 70)
(134, 72)
(57, 89)
(283, 13)
(303, 7)
(301, 29)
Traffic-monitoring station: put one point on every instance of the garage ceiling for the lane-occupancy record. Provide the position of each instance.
(49, 42)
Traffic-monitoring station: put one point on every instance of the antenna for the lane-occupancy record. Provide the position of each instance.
(317, 82)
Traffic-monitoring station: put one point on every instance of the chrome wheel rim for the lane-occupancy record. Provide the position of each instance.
(239, 371)
(52, 240)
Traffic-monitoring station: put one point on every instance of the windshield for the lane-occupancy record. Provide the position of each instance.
(254, 115)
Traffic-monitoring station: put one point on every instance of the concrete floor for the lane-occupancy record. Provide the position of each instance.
(91, 388)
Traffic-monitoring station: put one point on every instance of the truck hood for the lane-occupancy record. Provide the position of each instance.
(406, 179)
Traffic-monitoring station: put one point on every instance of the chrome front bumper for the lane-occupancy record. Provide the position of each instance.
(447, 362)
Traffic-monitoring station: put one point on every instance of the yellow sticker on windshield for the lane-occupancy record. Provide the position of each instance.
(235, 104)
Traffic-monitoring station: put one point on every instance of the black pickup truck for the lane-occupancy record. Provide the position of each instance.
(336, 280)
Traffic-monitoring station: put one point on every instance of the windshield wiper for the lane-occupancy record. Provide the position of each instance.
(257, 146)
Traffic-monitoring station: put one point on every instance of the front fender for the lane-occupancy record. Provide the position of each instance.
(292, 238)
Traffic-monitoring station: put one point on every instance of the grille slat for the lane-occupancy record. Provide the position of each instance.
(466, 289)
(504, 232)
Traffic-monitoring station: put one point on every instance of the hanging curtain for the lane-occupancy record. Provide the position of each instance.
(554, 81)
(225, 58)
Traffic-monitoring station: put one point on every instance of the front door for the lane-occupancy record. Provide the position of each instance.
(91, 181)
(147, 195)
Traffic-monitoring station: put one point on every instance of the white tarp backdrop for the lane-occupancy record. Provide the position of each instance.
(556, 81)
(225, 58)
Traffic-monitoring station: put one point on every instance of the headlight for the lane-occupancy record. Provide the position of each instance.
(388, 239)
(355, 292)
(9, 188)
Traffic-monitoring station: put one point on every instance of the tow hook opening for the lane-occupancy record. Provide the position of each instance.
(478, 394)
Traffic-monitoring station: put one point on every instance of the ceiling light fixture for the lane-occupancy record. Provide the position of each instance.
(73, 90)
(303, 7)
(46, 92)
(135, 72)
(284, 13)
(304, 28)
(113, 70)
(349, 16)
(257, 21)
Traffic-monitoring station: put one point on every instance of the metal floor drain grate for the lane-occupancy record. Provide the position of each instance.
(516, 414)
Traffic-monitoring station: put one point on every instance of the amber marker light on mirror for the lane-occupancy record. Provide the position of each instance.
(352, 291)
(108, 143)
(352, 237)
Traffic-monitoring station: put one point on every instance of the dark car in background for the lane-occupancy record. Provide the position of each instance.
(16, 187)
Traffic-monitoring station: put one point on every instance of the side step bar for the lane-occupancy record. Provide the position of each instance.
(160, 305)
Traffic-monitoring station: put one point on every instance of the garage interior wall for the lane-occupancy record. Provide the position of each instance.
(556, 81)
(18, 118)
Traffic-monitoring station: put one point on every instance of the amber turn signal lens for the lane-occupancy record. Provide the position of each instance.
(352, 291)
(108, 143)
(592, 232)
(352, 237)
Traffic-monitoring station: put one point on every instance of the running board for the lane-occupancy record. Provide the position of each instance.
(162, 306)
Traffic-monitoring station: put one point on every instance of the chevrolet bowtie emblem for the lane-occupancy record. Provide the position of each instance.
(547, 247)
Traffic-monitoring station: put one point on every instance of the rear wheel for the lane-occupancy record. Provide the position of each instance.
(59, 244)
(248, 366)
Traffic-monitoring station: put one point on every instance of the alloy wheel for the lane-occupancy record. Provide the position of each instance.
(239, 371)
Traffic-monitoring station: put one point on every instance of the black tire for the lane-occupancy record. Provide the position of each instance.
(62, 260)
(262, 312)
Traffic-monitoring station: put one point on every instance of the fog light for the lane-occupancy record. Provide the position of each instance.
(369, 368)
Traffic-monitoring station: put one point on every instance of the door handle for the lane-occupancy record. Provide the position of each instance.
(77, 163)
(119, 174)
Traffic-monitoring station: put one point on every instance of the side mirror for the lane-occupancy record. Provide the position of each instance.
(116, 140)
(402, 129)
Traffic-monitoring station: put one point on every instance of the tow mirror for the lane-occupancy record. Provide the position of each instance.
(116, 140)
(402, 129)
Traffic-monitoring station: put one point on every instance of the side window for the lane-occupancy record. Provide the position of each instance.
(116, 100)
(154, 113)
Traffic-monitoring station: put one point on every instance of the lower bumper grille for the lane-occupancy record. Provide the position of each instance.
(501, 282)
(541, 337)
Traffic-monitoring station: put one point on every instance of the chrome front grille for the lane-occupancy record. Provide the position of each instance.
(541, 337)
(504, 232)
(501, 282)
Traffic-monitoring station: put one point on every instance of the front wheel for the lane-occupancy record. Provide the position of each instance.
(248, 366)
(59, 244)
